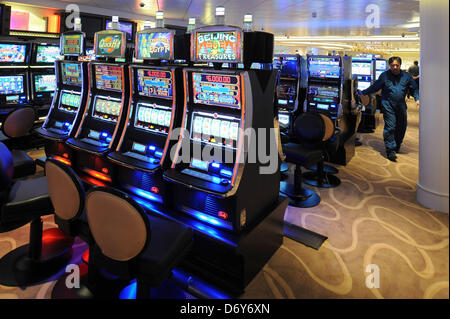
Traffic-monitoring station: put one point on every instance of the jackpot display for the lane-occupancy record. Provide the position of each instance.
(223, 46)
(153, 83)
(71, 73)
(11, 85)
(217, 89)
(12, 53)
(47, 54)
(72, 44)
(324, 67)
(108, 77)
(110, 45)
(155, 45)
(44, 82)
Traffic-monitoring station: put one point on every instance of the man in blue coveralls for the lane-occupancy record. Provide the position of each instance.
(394, 85)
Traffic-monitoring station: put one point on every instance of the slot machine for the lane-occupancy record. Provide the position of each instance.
(381, 65)
(106, 108)
(14, 81)
(290, 88)
(220, 104)
(215, 183)
(70, 97)
(155, 109)
(42, 75)
(329, 92)
(363, 69)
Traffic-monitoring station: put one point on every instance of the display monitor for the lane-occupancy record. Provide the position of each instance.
(215, 129)
(217, 89)
(44, 83)
(289, 67)
(381, 65)
(362, 68)
(70, 101)
(153, 117)
(12, 53)
(47, 53)
(71, 73)
(378, 73)
(126, 27)
(218, 46)
(155, 83)
(72, 44)
(107, 109)
(12, 84)
(108, 77)
(110, 44)
(363, 85)
(324, 67)
(154, 45)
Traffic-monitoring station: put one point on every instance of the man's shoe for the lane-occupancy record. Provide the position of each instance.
(392, 157)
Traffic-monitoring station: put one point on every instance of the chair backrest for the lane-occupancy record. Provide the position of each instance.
(19, 122)
(6, 167)
(117, 223)
(66, 190)
(313, 128)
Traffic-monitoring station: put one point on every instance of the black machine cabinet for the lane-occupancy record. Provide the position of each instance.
(216, 180)
(330, 92)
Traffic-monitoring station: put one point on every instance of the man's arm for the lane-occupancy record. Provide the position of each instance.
(413, 88)
(378, 85)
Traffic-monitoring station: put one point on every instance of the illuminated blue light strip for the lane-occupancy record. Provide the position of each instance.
(207, 218)
(145, 194)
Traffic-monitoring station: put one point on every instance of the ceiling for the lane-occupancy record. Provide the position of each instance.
(317, 18)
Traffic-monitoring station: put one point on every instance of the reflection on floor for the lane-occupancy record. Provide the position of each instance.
(372, 220)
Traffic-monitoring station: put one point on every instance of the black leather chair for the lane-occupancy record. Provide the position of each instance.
(319, 132)
(300, 155)
(131, 244)
(16, 125)
(22, 202)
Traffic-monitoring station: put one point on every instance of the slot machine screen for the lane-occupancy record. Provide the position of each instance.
(72, 44)
(324, 67)
(361, 68)
(155, 45)
(218, 46)
(153, 117)
(12, 53)
(326, 94)
(217, 89)
(44, 82)
(154, 83)
(363, 85)
(381, 65)
(71, 74)
(126, 27)
(108, 77)
(47, 54)
(289, 67)
(215, 129)
(69, 101)
(11, 84)
(107, 109)
(110, 45)
(377, 74)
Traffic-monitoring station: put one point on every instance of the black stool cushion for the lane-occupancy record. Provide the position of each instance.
(23, 164)
(28, 199)
(300, 155)
(169, 240)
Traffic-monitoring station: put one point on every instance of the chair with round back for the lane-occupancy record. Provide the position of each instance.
(27, 201)
(131, 244)
(316, 130)
(16, 125)
(300, 155)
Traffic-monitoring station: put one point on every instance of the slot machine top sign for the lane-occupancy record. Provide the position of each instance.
(72, 44)
(218, 46)
(110, 44)
(155, 45)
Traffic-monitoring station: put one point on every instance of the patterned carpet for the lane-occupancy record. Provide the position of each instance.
(372, 218)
